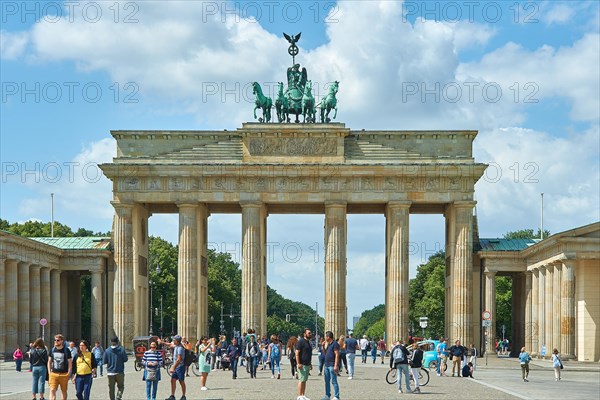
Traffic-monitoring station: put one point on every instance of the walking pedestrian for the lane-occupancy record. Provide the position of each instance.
(556, 364)
(28, 355)
(152, 362)
(473, 356)
(213, 352)
(416, 363)
(275, 356)
(291, 351)
(252, 355)
(332, 363)
(364, 349)
(38, 356)
(442, 354)
(373, 348)
(399, 360)
(204, 351)
(382, 349)
(178, 368)
(115, 358)
(524, 359)
(18, 357)
(233, 353)
(320, 355)
(303, 359)
(351, 347)
(84, 365)
(343, 354)
(59, 364)
(98, 352)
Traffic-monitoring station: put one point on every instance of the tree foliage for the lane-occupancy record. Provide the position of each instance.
(367, 319)
(426, 294)
(525, 234)
(44, 229)
(503, 305)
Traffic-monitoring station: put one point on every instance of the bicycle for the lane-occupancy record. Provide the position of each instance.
(392, 376)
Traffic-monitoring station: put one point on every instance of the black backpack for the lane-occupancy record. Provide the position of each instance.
(188, 358)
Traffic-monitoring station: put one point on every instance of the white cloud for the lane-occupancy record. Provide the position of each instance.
(13, 45)
(525, 163)
(559, 14)
(80, 189)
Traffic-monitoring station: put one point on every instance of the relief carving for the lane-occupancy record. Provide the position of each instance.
(292, 146)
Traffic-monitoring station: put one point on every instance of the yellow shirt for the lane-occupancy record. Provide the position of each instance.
(84, 363)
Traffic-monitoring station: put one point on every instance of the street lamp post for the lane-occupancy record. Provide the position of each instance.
(151, 308)
(222, 322)
(423, 321)
(232, 315)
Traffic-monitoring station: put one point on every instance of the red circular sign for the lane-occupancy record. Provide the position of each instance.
(486, 315)
(43, 321)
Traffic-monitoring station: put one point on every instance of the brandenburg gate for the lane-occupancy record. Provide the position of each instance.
(284, 168)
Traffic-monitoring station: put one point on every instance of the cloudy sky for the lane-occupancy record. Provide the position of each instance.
(524, 74)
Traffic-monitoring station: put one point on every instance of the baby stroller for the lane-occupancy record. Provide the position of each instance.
(225, 362)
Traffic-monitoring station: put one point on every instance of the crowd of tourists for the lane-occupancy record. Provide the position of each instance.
(79, 363)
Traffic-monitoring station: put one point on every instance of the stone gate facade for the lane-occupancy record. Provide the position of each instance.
(263, 169)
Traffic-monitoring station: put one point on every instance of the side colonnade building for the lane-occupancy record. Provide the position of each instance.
(40, 279)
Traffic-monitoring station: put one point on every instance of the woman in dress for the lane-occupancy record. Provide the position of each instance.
(203, 351)
(152, 361)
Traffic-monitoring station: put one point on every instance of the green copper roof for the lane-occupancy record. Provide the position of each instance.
(76, 243)
(505, 244)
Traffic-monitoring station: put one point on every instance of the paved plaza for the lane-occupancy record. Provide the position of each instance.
(501, 379)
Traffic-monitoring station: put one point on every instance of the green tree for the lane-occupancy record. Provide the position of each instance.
(367, 319)
(377, 329)
(163, 275)
(426, 294)
(525, 234)
(503, 305)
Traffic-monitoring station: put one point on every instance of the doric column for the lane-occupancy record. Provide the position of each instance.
(490, 305)
(202, 230)
(335, 268)
(253, 251)
(76, 288)
(542, 310)
(34, 302)
(549, 310)
(518, 313)
(567, 310)
(55, 303)
(45, 309)
(96, 307)
(2, 305)
(187, 274)
(24, 290)
(462, 273)
(11, 312)
(397, 216)
(556, 293)
(528, 302)
(535, 291)
(123, 287)
(64, 304)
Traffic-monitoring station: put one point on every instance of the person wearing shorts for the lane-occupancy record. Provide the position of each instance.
(303, 360)
(178, 368)
(59, 367)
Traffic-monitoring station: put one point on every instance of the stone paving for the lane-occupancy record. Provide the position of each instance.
(501, 379)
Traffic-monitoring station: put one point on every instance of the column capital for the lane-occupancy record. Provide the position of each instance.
(490, 273)
(464, 204)
(251, 204)
(335, 203)
(122, 204)
(96, 270)
(402, 204)
(186, 204)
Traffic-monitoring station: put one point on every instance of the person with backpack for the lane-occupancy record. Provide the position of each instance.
(178, 368)
(115, 358)
(252, 354)
(59, 367)
(39, 361)
(399, 360)
(275, 356)
(84, 365)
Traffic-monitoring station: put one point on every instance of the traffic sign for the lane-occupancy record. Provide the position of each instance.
(486, 323)
(43, 321)
(486, 315)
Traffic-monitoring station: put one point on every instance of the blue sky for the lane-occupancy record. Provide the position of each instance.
(71, 75)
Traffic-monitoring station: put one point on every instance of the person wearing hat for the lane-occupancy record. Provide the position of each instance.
(178, 368)
(115, 358)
